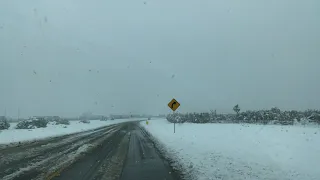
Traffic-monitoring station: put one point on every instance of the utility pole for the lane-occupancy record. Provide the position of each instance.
(18, 114)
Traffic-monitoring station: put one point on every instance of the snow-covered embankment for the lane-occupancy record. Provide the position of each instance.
(235, 151)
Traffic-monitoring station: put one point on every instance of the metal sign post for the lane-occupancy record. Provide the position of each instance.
(174, 105)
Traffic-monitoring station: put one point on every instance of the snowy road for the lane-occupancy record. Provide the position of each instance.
(122, 151)
(40, 158)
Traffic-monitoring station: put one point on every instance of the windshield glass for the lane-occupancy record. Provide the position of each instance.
(159, 89)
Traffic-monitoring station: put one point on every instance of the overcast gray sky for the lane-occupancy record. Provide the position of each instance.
(64, 57)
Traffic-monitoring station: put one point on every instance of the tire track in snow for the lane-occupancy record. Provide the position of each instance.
(32, 162)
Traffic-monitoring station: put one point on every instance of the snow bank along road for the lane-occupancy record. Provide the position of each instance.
(121, 151)
(240, 152)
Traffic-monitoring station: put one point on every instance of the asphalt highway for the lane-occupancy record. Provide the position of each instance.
(117, 152)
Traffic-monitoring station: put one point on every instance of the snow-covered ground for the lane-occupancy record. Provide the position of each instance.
(17, 135)
(238, 152)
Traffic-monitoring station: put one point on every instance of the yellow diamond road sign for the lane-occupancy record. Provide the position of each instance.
(174, 104)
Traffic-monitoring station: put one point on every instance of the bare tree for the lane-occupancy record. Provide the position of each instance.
(236, 108)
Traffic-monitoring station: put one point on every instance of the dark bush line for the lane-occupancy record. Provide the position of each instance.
(62, 121)
(272, 116)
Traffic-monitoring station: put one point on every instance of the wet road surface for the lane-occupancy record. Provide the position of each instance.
(117, 152)
(143, 161)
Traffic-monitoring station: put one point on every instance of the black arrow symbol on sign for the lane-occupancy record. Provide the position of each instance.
(173, 104)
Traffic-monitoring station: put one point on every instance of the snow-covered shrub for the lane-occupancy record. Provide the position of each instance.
(273, 116)
(304, 121)
(315, 117)
(103, 118)
(85, 121)
(62, 121)
(4, 123)
(32, 123)
(170, 118)
(174, 118)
